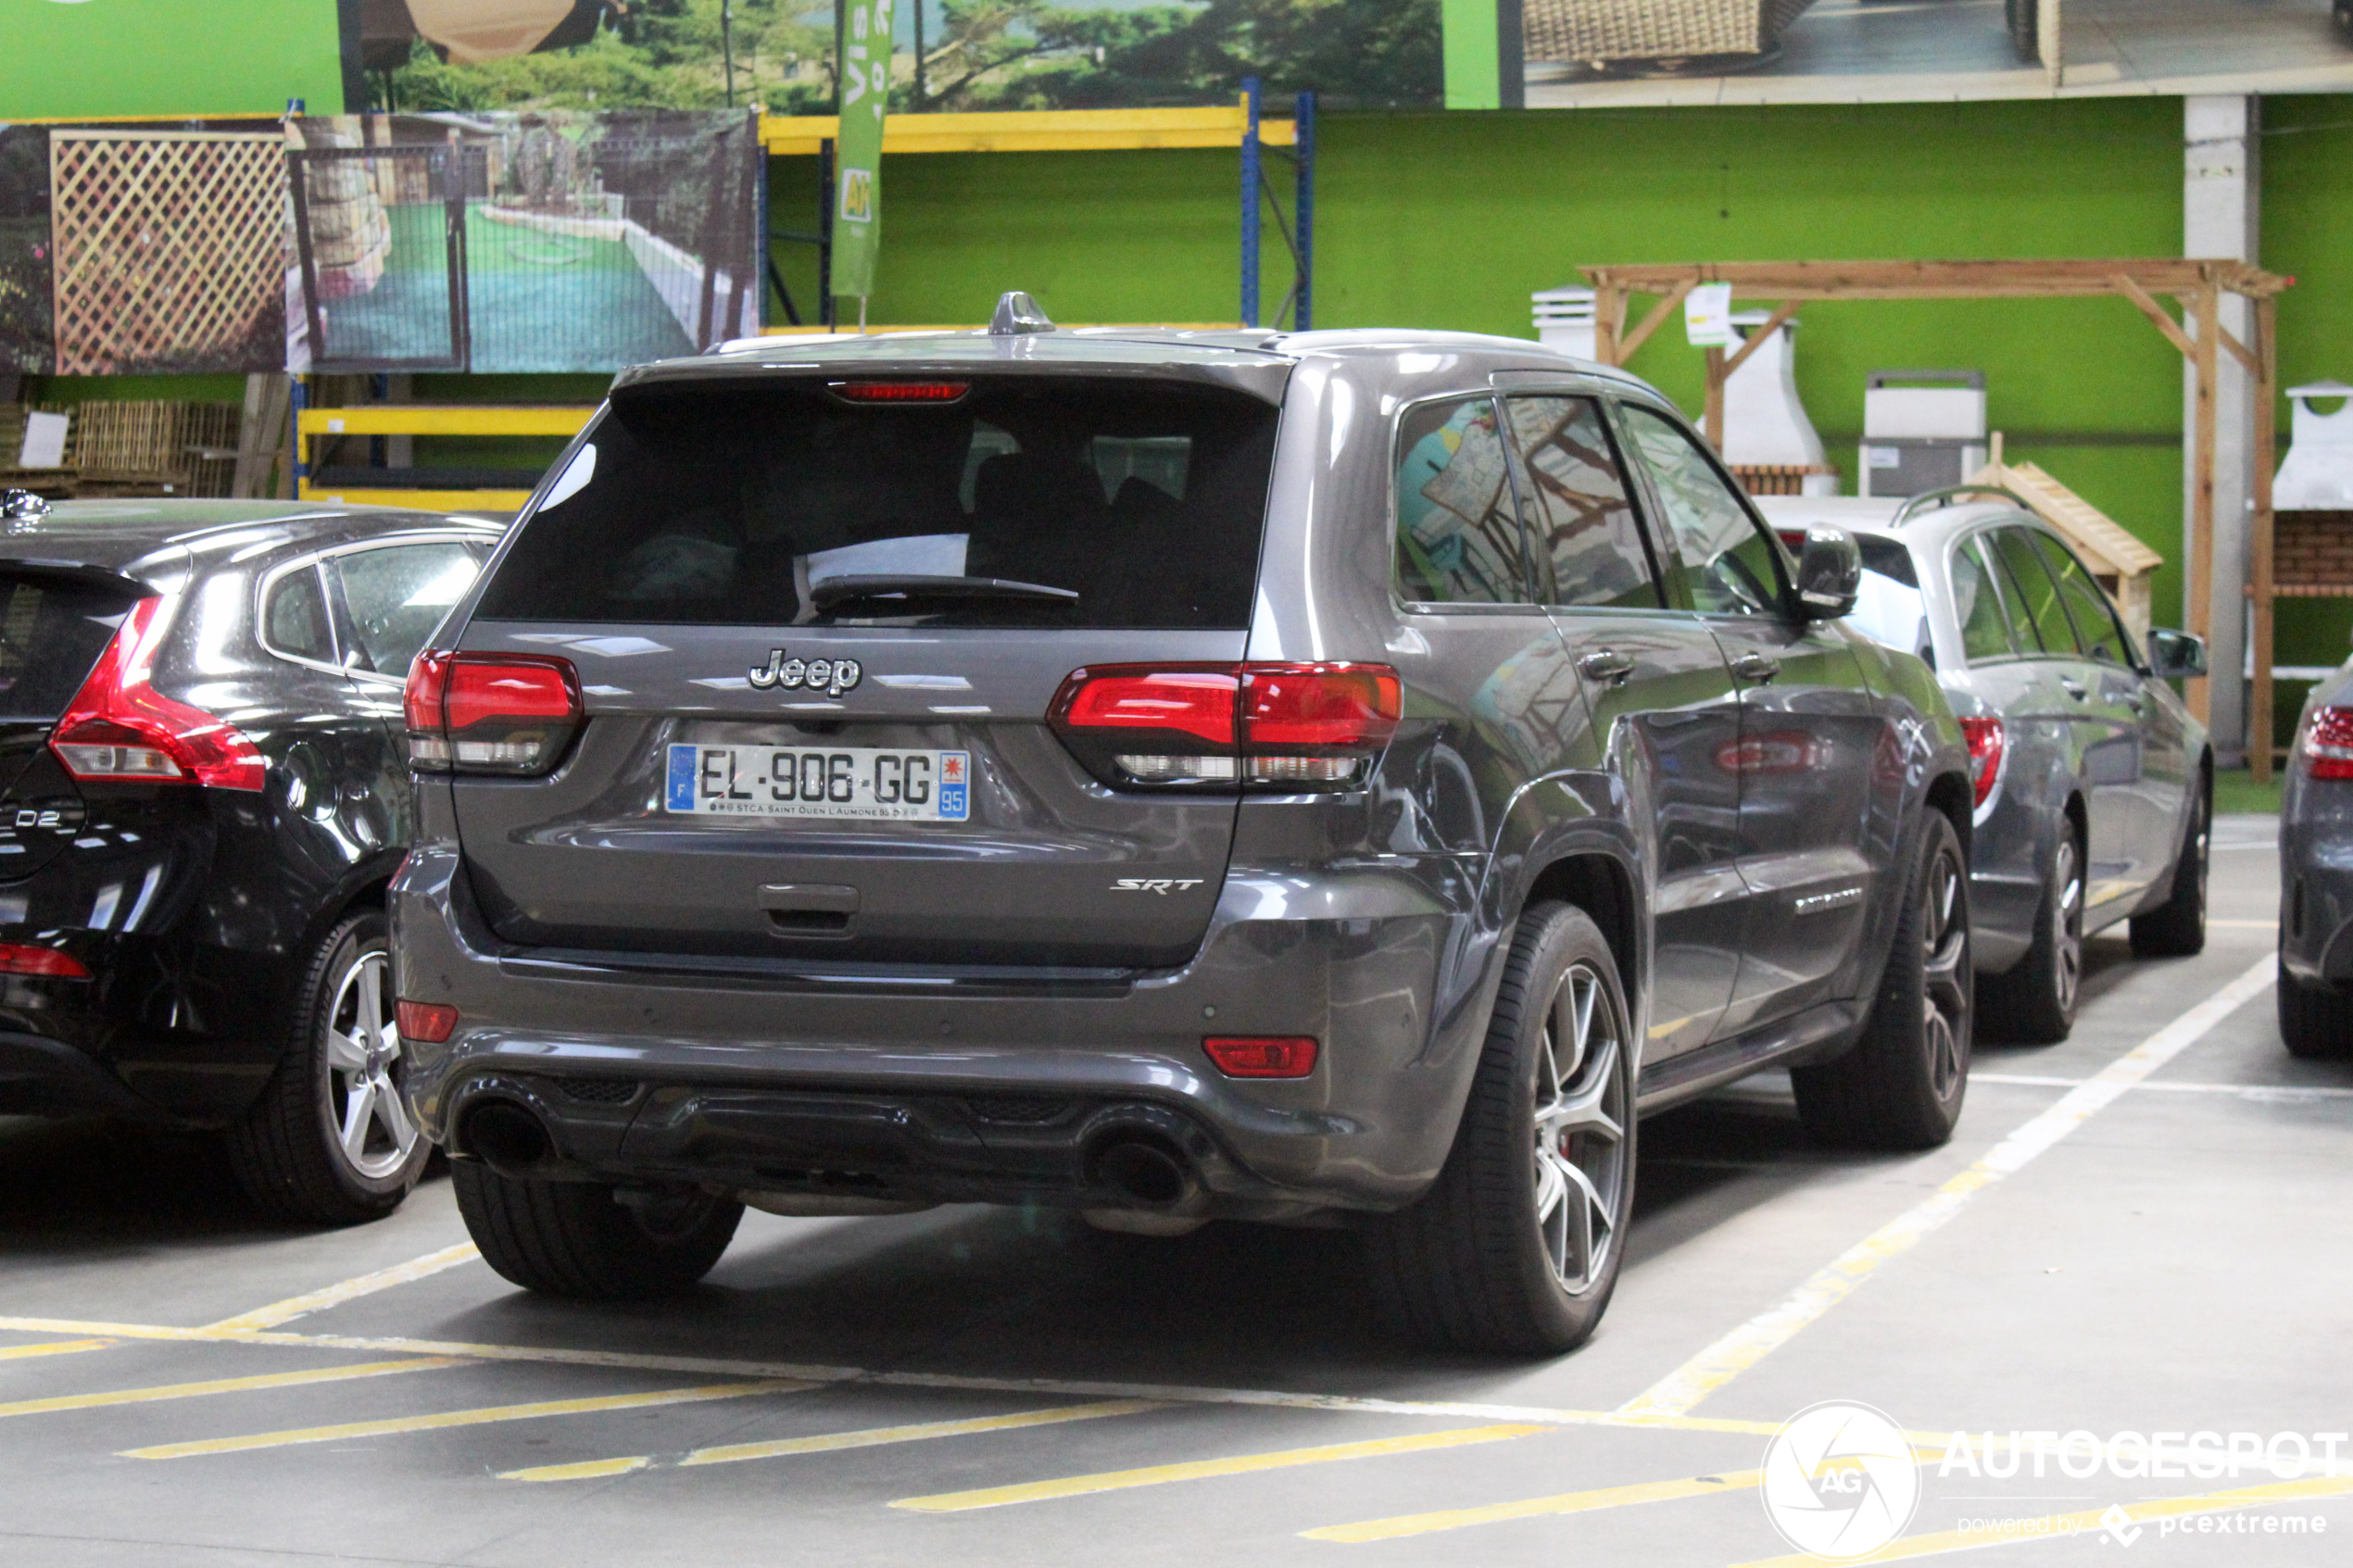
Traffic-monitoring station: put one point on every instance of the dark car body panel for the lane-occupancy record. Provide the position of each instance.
(194, 909)
(658, 1040)
(2316, 856)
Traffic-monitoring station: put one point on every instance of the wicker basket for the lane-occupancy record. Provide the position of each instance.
(1653, 30)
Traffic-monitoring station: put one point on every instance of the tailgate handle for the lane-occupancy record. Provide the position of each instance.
(809, 909)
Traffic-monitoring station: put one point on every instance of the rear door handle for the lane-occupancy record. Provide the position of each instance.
(1756, 668)
(1606, 665)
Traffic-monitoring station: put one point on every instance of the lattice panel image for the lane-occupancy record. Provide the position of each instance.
(169, 250)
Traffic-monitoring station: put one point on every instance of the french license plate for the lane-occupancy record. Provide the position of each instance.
(853, 782)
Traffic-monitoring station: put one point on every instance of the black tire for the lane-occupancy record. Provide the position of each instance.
(2176, 929)
(2316, 1021)
(1901, 1084)
(2034, 1003)
(578, 1239)
(1480, 1262)
(288, 1149)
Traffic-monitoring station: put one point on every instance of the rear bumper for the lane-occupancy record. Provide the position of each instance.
(39, 1076)
(776, 1076)
(2316, 888)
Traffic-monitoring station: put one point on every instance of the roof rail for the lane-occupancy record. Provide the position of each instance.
(1950, 492)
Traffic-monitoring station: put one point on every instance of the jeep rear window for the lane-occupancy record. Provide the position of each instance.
(728, 503)
(52, 631)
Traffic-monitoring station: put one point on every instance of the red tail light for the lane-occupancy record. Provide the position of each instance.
(22, 958)
(2327, 743)
(1311, 726)
(1986, 744)
(429, 1023)
(1262, 1056)
(490, 712)
(119, 729)
(900, 391)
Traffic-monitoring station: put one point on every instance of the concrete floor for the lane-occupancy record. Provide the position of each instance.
(2174, 1262)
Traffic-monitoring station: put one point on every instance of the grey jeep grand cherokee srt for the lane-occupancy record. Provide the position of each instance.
(1336, 778)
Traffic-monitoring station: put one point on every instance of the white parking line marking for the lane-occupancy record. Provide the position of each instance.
(2289, 1092)
(318, 1300)
(1681, 1390)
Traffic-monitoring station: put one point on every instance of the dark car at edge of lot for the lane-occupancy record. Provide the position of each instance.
(1341, 778)
(202, 799)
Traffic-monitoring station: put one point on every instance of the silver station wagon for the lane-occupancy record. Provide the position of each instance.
(1337, 779)
(2094, 786)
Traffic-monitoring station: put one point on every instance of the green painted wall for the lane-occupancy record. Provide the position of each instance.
(104, 58)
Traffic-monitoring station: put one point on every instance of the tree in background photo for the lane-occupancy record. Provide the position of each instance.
(951, 54)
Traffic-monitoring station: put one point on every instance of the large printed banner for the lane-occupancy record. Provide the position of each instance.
(1589, 54)
(519, 241)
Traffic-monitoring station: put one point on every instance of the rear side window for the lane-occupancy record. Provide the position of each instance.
(1458, 535)
(1977, 605)
(293, 619)
(1587, 543)
(397, 594)
(1138, 503)
(52, 631)
(2034, 597)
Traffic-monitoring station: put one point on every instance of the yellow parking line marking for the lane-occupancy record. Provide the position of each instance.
(1683, 1388)
(56, 1347)
(1200, 1469)
(223, 1386)
(1565, 1502)
(459, 1418)
(336, 1294)
(874, 1437)
(2086, 1522)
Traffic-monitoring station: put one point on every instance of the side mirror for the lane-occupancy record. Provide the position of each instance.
(2175, 654)
(1830, 573)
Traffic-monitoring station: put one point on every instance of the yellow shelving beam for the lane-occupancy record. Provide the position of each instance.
(444, 418)
(422, 500)
(1050, 130)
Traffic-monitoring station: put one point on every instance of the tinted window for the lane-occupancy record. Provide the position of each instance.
(52, 632)
(295, 618)
(1729, 565)
(731, 505)
(1587, 541)
(397, 594)
(2095, 630)
(2034, 597)
(1977, 605)
(1458, 539)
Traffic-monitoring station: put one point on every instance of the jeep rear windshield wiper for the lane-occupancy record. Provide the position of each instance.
(913, 595)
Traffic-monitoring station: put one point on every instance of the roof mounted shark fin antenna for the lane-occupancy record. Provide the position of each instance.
(1018, 314)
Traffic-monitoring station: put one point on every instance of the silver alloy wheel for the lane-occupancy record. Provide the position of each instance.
(1944, 995)
(369, 1126)
(1581, 1114)
(2070, 936)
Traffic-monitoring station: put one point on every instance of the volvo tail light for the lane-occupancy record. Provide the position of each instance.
(2327, 743)
(490, 712)
(1270, 726)
(1987, 742)
(25, 958)
(119, 729)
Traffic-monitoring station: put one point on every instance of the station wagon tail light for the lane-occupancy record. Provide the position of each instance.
(1262, 1056)
(1986, 742)
(1266, 725)
(119, 729)
(2327, 744)
(490, 713)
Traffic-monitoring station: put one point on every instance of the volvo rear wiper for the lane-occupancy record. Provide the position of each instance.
(913, 594)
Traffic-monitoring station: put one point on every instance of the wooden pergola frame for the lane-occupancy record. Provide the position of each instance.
(2196, 286)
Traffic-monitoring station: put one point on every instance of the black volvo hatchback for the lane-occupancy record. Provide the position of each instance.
(201, 801)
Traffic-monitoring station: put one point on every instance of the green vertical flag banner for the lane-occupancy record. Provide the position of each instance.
(865, 41)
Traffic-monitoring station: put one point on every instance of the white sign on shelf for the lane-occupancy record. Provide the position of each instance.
(44, 442)
(1707, 317)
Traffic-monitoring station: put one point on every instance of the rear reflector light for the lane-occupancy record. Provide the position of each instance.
(2327, 743)
(1272, 726)
(1986, 744)
(20, 957)
(1262, 1056)
(119, 729)
(900, 391)
(427, 1023)
(490, 713)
